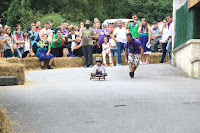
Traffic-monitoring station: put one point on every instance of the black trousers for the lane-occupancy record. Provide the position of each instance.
(58, 52)
(88, 54)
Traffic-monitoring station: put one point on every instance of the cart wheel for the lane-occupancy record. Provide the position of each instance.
(99, 78)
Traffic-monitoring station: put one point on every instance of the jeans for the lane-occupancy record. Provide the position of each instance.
(169, 49)
(19, 52)
(8, 53)
(119, 50)
(88, 54)
(164, 51)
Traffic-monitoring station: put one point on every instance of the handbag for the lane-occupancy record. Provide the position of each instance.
(15, 47)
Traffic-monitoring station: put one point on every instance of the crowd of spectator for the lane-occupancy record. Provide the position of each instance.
(83, 40)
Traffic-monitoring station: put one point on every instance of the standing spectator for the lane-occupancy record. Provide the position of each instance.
(19, 27)
(1, 48)
(19, 40)
(32, 23)
(106, 30)
(102, 34)
(27, 43)
(34, 39)
(8, 49)
(44, 52)
(38, 25)
(134, 47)
(165, 34)
(155, 32)
(63, 30)
(56, 46)
(72, 39)
(113, 49)
(145, 39)
(96, 47)
(111, 27)
(96, 20)
(169, 44)
(117, 23)
(77, 49)
(106, 51)
(66, 26)
(47, 31)
(120, 33)
(5, 27)
(82, 25)
(134, 26)
(87, 34)
(1, 27)
(51, 27)
(2, 33)
(76, 29)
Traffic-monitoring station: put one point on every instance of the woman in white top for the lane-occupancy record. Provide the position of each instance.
(165, 33)
(106, 51)
(8, 50)
(27, 43)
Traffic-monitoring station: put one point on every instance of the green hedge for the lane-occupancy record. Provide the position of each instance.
(187, 24)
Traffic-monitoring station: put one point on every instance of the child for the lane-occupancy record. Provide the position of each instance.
(106, 51)
(113, 50)
(1, 48)
(99, 68)
(96, 47)
(43, 52)
(27, 43)
(2, 33)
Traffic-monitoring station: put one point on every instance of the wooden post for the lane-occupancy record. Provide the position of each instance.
(192, 3)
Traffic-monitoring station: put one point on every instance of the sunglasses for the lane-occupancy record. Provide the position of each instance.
(111, 23)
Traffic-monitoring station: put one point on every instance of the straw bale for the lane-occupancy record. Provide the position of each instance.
(13, 69)
(5, 124)
(67, 62)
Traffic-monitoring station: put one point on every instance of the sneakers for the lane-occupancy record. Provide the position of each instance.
(91, 66)
(104, 74)
(111, 64)
(146, 63)
(117, 64)
(131, 74)
(42, 67)
(49, 67)
(93, 74)
(105, 65)
(120, 64)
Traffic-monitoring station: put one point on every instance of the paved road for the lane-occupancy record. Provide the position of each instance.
(158, 100)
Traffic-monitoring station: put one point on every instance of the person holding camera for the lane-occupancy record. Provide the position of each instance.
(57, 47)
(134, 26)
(135, 49)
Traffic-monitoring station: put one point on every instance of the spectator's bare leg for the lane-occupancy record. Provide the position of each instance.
(116, 59)
(51, 61)
(131, 67)
(65, 52)
(113, 59)
(42, 63)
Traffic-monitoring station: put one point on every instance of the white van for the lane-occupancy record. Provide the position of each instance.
(114, 21)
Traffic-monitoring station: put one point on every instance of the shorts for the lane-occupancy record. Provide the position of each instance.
(134, 59)
(113, 52)
(1, 50)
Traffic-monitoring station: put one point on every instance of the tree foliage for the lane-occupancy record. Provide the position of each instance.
(23, 11)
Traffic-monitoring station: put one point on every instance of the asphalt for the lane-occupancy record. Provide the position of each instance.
(160, 99)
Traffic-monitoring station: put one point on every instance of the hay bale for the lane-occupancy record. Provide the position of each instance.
(31, 63)
(12, 60)
(13, 69)
(67, 62)
(5, 124)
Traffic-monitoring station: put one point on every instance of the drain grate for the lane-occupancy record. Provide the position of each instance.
(120, 105)
(192, 103)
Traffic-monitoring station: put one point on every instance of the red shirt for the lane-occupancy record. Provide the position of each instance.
(38, 30)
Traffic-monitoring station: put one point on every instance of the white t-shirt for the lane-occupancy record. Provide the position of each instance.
(27, 45)
(113, 44)
(120, 34)
(165, 34)
(106, 47)
(73, 43)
